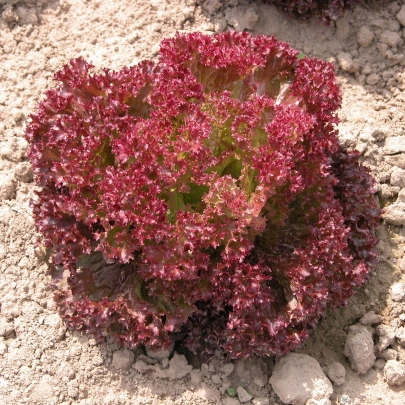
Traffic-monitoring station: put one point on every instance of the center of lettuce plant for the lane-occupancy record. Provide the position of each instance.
(204, 197)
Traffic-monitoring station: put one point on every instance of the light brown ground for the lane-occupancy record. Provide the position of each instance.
(39, 362)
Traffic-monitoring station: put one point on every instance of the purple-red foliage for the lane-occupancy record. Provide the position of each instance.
(328, 10)
(203, 196)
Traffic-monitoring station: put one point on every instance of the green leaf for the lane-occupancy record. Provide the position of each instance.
(111, 234)
(232, 392)
(175, 202)
(260, 137)
(234, 168)
(196, 193)
(103, 156)
(247, 180)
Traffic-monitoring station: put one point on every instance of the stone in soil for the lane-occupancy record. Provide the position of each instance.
(397, 292)
(364, 36)
(23, 172)
(386, 336)
(394, 373)
(391, 38)
(390, 354)
(359, 348)
(396, 160)
(212, 6)
(243, 395)
(394, 145)
(336, 373)
(373, 79)
(227, 368)
(371, 318)
(297, 378)
(241, 18)
(6, 328)
(398, 177)
(346, 62)
(122, 359)
(400, 335)
(178, 368)
(401, 16)
(395, 214)
(8, 186)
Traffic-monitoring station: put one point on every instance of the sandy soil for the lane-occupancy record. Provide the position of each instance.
(43, 363)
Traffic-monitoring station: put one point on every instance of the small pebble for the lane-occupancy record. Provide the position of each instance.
(371, 318)
(386, 336)
(23, 172)
(401, 16)
(336, 373)
(390, 38)
(346, 62)
(373, 79)
(364, 37)
(394, 373)
(8, 186)
(243, 395)
(400, 335)
(389, 354)
(397, 292)
(359, 348)
(122, 359)
(227, 368)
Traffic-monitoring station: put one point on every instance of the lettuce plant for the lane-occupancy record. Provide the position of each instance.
(203, 198)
